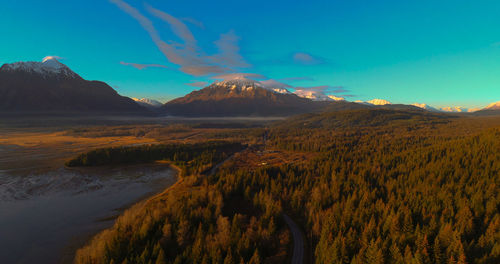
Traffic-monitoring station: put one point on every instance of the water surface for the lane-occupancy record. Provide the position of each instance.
(45, 217)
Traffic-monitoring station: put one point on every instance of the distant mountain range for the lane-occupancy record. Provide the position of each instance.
(425, 107)
(241, 97)
(151, 104)
(50, 86)
(493, 107)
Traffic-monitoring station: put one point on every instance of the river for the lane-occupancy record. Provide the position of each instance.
(45, 217)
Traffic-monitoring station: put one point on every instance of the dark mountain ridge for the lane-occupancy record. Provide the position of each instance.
(52, 87)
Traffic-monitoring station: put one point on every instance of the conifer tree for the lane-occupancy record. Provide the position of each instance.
(255, 258)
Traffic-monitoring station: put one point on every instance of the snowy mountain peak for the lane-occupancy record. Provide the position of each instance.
(49, 66)
(493, 106)
(379, 102)
(454, 109)
(239, 81)
(336, 98)
(316, 95)
(52, 62)
(425, 106)
(148, 102)
(312, 94)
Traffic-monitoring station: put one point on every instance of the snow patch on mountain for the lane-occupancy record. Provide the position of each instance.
(336, 98)
(379, 102)
(241, 83)
(275, 86)
(454, 109)
(493, 106)
(425, 106)
(148, 102)
(312, 94)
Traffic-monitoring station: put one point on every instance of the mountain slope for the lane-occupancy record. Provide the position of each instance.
(493, 106)
(368, 117)
(150, 104)
(425, 107)
(50, 86)
(491, 109)
(240, 97)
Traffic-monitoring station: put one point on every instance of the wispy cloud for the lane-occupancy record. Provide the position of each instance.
(306, 59)
(140, 66)
(198, 84)
(194, 22)
(187, 54)
(180, 29)
(143, 21)
(228, 54)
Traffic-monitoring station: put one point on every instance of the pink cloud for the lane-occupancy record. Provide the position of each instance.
(187, 54)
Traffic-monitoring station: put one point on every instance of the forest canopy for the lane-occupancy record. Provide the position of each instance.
(374, 186)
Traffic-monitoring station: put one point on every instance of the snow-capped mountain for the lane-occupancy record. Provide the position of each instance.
(493, 106)
(317, 95)
(48, 67)
(425, 107)
(147, 102)
(52, 87)
(241, 97)
(336, 98)
(312, 94)
(239, 84)
(379, 102)
(275, 86)
(454, 109)
(279, 90)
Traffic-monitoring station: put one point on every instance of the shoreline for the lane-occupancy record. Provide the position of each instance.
(52, 226)
(112, 219)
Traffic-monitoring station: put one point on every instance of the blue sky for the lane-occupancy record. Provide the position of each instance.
(444, 53)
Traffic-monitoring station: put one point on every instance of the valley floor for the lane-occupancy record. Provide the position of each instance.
(366, 186)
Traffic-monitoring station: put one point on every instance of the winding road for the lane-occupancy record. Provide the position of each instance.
(298, 241)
